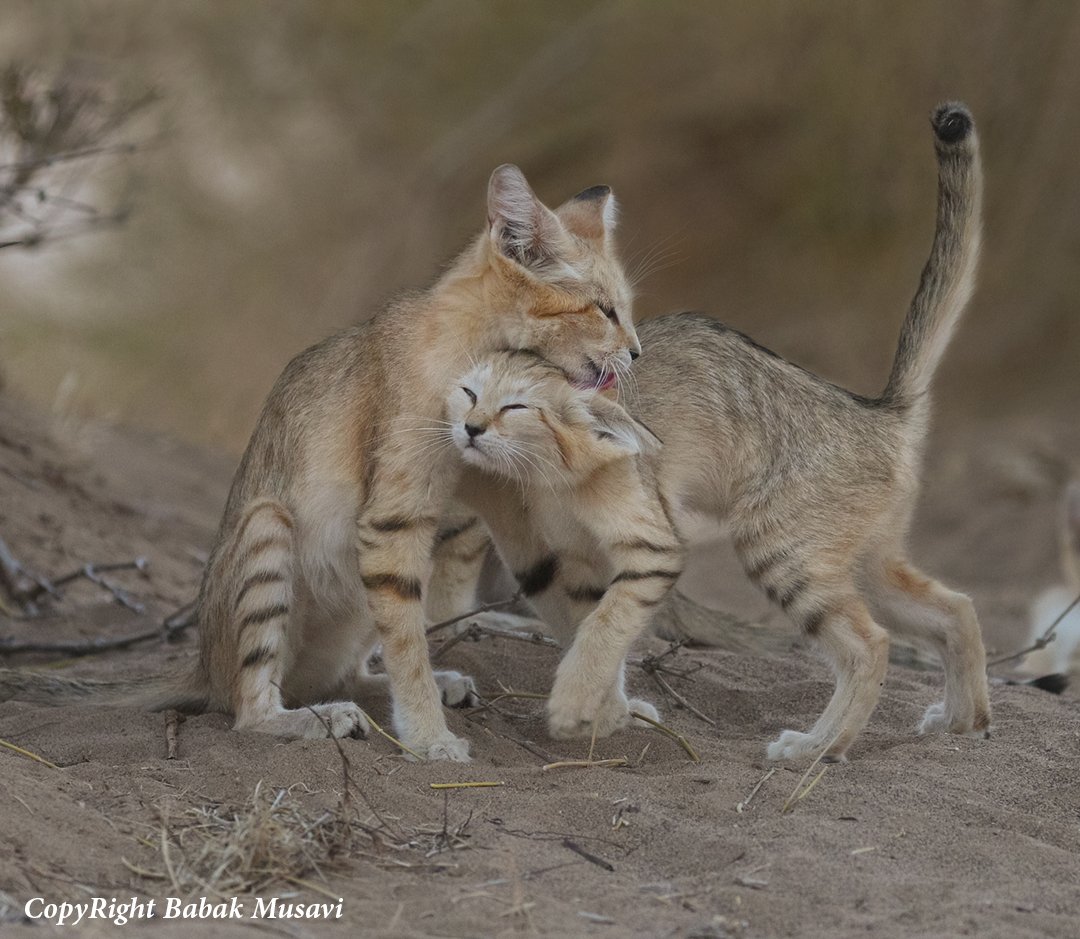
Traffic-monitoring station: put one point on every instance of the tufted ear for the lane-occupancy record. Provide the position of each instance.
(613, 425)
(522, 228)
(591, 214)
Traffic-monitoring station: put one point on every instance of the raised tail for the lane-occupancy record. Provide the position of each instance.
(187, 692)
(949, 276)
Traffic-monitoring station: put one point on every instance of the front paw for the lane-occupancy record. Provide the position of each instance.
(792, 745)
(457, 690)
(448, 747)
(579, 716)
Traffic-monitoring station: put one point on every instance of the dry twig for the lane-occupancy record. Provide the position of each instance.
(172, 626)
(173, 720)
(1044, 640)
(585, 764)
(483, 608)
(668, 732)
(27, 753)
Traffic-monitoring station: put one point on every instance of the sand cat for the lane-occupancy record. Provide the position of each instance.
(1062, 656)
(568, 462)
(815, 484)
(324, 550)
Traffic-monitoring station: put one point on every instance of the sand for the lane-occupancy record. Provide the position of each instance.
(932, 836)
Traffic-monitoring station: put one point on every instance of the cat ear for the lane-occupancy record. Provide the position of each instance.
(591, 214)
(613, 425)
(522, 228)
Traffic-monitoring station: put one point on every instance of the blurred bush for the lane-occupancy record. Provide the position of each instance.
(773, 161)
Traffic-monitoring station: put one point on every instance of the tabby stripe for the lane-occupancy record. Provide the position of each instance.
(791, 594)
(393, 523)
(258, 657)
(407, 588)
(755, 570)
(665, 508)
(264, 615)
(539, 577)
(279, 514)
(645, 575)
(449, 534)
(367, 542)
(267, 541)
(259, 577)
(586, 594)
(643, 544)
(811, 623)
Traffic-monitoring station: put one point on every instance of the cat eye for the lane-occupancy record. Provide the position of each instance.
(608, 311)
(513, 407)
(471, 394)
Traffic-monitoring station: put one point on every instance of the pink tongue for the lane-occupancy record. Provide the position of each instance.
(608, 382)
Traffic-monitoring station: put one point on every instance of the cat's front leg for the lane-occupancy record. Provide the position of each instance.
(588, 697)
(396, 532)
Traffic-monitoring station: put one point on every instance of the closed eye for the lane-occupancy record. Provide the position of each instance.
(608, 311)
(471, 394)
(512, 407)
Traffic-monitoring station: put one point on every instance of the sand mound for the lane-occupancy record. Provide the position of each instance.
(916, 836)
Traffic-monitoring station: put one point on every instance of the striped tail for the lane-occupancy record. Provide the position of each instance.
(949, 276)
(188, 693)
(260, 604)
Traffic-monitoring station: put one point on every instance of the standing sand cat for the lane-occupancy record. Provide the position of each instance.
(568, 462)
(816, 485)
(325, 545)
(1062, 656)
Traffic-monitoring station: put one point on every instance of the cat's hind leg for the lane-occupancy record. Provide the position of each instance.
(925, 611)
(261, 607)
(857, 648)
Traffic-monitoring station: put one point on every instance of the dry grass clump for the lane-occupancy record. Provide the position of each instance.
(232, 850)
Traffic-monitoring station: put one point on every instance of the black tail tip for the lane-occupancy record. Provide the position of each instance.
(952, 122)
(1055, 683)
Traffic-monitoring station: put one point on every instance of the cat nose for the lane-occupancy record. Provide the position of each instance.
(473, 431)
(634, 353)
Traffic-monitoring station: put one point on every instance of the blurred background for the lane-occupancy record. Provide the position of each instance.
(297, 164)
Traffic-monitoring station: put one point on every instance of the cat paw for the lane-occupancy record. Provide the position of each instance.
(939, 719)
(572, 717)
(457, 690)
(644, 708)
(448, 747)
(339, 719)
(792, 745)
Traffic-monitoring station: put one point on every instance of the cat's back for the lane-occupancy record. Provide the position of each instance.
(314, 421)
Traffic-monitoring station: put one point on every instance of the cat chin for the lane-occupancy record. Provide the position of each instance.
(474, 457)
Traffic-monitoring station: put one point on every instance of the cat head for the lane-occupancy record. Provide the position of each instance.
(555, 280)
(517, 416)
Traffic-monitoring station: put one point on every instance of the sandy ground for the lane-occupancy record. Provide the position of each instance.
(933, 836)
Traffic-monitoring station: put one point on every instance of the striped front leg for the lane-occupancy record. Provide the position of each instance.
(588, 695)
(395, 565)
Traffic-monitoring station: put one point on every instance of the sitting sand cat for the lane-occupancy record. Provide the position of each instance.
(570, 457)
(1062, 656)
(816, 485)
(324, 550)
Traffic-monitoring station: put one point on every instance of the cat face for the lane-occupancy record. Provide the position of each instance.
(557, 275)
(517, 416)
